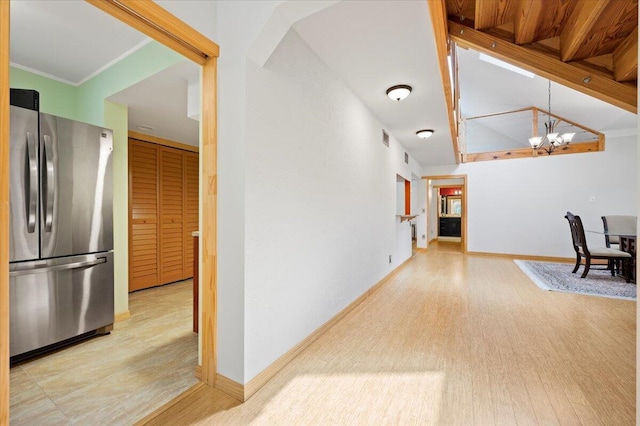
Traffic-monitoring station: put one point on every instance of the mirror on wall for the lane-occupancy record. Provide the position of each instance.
(450, 202)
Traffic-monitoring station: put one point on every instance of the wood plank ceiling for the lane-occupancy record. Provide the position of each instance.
(588, 45)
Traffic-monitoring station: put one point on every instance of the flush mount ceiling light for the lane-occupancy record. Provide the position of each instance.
(399, 92)
(424, 134)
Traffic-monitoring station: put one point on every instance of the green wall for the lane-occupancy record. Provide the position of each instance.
(55, 98)
(116, 119)
(136, 67)
(88, 103)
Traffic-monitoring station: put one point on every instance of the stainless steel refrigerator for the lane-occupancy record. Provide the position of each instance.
(61, 228)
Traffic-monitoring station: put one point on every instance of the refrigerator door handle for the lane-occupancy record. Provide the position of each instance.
(32, 197)
(49, 183)
(52, 268)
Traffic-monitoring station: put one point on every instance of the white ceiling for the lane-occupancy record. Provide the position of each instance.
(487, 88)
(160, 102)
(371, 45)
(70, 41)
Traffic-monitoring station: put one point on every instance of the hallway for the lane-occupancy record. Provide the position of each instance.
(451, 339)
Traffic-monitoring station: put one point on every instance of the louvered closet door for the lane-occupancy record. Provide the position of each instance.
(143, 181)
(190, 162)
(171, 215)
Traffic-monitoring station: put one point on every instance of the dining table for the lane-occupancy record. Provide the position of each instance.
(628, 244)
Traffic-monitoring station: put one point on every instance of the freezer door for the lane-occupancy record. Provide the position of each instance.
(24, 241)
(76, 188)
(54, 300)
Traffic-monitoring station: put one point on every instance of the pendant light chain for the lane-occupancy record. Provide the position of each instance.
(549, 100)
(551, 123)
(552, 138)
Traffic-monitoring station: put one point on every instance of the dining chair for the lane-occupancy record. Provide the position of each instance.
(616, 225)
(582, 250)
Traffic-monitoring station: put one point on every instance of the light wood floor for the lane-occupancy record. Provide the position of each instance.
(452, 340)
(116, 379)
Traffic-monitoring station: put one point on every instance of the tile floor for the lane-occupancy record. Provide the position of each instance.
(117, 379)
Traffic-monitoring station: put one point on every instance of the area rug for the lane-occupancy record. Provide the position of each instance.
(558, 277)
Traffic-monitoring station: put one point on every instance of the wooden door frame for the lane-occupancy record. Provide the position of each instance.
(154, 21)
(4, 212)
(464, 187)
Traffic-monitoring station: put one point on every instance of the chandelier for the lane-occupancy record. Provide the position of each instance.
(552, 139)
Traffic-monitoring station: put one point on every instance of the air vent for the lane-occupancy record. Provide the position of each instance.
(385, 138)
(406, 158)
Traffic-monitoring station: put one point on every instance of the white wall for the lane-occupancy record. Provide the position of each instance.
(320, 201)
(421, 210)
(400, 196)
(517, 206)
(432, 215)
(234, 26)
(418, 203)
(199, 14)
(480, 138)
(238, 25)
(265, 247)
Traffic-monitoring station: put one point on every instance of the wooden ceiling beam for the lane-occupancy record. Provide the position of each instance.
(597, 85)
(528, 152)
(527, 20)
(625, 58)
(535, 20)
(579, 26)
(493, 13)
(438, 13)
(464, 10)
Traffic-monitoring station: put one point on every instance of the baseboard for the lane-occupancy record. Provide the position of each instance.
(524, 257)
(265, 375)
(224, 384)
(184, 395)
(244, 392)
(122, 316)
(450, 239)
(231, 388)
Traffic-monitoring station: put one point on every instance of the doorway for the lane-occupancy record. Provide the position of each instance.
(155, 22)
(447, 211)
